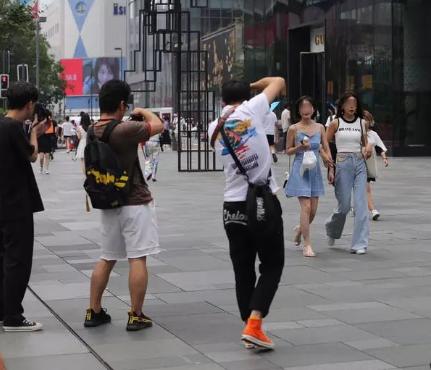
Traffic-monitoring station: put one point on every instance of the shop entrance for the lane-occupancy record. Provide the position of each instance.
(312, 79)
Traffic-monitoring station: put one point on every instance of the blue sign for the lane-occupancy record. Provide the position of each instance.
(119, 9)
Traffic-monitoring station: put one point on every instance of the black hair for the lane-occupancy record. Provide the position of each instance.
(347, 95)
(235, 91)
(85, 121)
(20, 93)
(67, 118)
(298, 104)
(112, 94)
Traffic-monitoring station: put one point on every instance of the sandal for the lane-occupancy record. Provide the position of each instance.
(298, 235)
(308, 251)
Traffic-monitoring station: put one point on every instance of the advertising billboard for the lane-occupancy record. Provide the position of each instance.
(222, 47)
(85, 76)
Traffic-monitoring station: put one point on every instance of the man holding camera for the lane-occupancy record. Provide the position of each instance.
(129, 231)
(19, 199)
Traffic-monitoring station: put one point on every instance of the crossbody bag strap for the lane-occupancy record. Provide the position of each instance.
(221, 121)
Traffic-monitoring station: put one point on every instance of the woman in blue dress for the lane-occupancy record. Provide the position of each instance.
(306, 135)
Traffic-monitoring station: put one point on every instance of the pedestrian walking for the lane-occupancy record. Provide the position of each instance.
(45, 145)
(269, 125)
(377, 145)
(255, 229)
(19, 199)
(285, 122)
(306, 137)
(350, 173)
(130, 230)
(81, 133)
(67, 132)
(152, 150)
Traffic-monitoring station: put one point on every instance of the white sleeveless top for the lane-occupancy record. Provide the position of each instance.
(348, 136)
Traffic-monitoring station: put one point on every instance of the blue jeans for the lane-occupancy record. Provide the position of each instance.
(351, 174)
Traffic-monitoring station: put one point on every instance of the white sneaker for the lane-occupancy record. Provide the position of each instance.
(46, 172)
(41, 170)
(375, 214)
(359, 251)
(331, 241)
(352, 212)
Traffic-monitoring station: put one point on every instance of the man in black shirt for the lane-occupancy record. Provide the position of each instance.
(19, 199)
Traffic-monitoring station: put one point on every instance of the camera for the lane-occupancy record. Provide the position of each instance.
(41, 111)
(136, 117)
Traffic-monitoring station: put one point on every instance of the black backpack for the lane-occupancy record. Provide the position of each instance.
(106, 183)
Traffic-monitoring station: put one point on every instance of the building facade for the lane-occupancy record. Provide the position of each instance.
(378, 48)
(89, 38)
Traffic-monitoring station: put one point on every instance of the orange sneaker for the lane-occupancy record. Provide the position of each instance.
(254, 334)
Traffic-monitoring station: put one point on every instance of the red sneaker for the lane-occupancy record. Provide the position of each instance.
(254, 334)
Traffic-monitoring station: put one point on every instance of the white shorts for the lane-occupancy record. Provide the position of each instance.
(129, 231)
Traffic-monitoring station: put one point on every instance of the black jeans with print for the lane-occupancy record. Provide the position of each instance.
(244, 245)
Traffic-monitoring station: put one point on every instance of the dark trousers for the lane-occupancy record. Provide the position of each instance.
(253, 293)
(16, 255)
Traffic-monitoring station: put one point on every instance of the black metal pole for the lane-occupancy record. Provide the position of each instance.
(91, 92)
(177, 10)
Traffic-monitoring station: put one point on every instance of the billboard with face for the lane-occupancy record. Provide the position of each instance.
(87, 76)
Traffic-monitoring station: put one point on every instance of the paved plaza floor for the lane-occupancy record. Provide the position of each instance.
(335, 312)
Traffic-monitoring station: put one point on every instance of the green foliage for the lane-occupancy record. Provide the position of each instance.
(18, 35)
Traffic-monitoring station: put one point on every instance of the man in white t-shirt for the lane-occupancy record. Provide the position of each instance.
(285, 122)
(269, 124)
(68, 133)
(244, 127)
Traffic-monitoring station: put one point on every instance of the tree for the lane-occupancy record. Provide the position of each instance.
(18, 35)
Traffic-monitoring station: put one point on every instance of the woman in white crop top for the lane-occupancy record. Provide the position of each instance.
(350, 174)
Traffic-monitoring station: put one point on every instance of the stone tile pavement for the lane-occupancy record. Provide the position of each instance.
(334, 312)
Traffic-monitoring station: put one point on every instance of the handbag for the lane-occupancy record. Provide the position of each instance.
(372, 166)
(368, 165)
(308, 162)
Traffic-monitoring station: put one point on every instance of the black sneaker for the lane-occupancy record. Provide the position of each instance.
(21, 324)
(93, 319)
(274, 157)
(140, 322)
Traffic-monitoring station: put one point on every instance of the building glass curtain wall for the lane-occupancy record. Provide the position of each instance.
(379, 48)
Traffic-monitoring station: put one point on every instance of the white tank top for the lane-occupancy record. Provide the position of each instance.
(348, 136)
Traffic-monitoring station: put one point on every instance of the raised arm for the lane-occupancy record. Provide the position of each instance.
(153, 120)
(271, 87)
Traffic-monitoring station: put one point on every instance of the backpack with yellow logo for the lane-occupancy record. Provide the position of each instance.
(106, 183)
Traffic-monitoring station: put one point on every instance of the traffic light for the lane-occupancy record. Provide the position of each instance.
(4, 78)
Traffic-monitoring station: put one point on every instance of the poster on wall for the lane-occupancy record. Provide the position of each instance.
(87, 76)
(221, 47)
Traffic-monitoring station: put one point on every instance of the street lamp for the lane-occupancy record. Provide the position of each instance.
(121, 61)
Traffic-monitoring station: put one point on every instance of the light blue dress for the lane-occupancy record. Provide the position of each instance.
(311, 184)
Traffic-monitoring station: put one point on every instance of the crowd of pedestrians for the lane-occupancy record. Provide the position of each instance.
(243, 139)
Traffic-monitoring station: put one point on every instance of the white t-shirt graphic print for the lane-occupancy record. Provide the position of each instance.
(246, 133)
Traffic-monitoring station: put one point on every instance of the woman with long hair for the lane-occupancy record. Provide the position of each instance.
(306, 135)
(45, 145)
(350, 173)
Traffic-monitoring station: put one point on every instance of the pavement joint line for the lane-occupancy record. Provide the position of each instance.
(73, 332)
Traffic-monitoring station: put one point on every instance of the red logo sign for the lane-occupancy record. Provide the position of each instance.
(73, 75)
